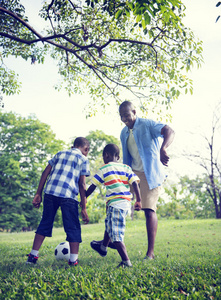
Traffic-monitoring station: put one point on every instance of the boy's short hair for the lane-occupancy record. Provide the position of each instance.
(111, 149)
(81, 142)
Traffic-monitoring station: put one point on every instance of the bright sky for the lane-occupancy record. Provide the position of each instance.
(65, 114)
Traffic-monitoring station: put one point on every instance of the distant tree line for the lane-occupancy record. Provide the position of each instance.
(26, 145)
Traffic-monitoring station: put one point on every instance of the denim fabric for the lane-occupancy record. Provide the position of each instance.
(70, 217)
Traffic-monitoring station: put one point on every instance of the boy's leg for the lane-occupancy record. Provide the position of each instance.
(121, 248)
(74, 249)
(72, 227)
(33, 255)
(50, 206)
(115, 227)
(38, 240)
(106, 239)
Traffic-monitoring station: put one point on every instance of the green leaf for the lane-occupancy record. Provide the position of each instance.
(147, 18)
(118, 14)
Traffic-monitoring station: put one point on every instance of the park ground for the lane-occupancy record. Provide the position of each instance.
(187, 265)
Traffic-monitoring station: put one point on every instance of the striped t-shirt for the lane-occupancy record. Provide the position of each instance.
(116, 177)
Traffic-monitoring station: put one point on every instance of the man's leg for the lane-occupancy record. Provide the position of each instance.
(151, 225)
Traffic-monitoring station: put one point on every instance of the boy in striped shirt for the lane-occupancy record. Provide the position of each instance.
(117, 178)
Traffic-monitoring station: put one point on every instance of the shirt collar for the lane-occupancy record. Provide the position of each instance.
(76, 149)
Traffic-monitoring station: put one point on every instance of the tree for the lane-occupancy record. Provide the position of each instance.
(186, 199)
(135, 50)
(98, 140)
(209, 159)
(26, 144)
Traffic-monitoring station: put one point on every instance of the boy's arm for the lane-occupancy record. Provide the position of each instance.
(82, 191)
(38, 197)
(90, 190)
(137, 205)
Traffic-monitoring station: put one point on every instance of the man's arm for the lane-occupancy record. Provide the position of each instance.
(137, 205)
(168, 136)
(82, 191)
(38, 197)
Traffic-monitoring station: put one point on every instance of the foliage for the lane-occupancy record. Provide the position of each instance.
(96, 208)
(25, 146)
(134, 50)
(209, 159)
(187, 265)
(98, 140)
(187, 199)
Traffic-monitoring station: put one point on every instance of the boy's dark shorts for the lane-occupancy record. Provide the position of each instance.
(70, 216)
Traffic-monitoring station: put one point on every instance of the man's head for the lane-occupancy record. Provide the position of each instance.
(111, 153)
(127, 114)
(82, 144)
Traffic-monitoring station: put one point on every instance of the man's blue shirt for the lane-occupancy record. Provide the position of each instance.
(146, 133)
(67, 167)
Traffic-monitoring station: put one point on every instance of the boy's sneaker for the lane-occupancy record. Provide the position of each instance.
(97, 247)
(31, 259)
(73, 263)
(124, 265)
(110, 245)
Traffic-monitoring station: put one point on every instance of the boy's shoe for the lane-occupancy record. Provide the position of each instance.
(73, 263)
(110, 245)
(123, 265)
(97, 247)
(31, 259)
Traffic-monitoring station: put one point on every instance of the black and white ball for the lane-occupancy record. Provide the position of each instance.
(62, 251)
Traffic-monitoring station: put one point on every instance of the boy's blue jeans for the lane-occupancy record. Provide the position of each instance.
(70, 217)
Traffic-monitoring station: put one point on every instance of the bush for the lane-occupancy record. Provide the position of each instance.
(96, 209)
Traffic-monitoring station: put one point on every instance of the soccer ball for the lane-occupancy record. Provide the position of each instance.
(62, 251)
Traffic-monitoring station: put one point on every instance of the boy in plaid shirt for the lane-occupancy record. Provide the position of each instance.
(65, 176)
(116, 177)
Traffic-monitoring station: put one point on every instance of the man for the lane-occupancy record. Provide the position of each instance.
(142, 151)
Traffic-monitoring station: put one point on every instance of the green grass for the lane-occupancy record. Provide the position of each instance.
(187, 265)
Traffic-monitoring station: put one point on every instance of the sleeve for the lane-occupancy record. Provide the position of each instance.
(98, 178)
(53, 160)
(85, 169)
(155, 128)
(132, 177)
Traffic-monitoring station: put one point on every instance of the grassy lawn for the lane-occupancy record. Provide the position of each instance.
(187, 265)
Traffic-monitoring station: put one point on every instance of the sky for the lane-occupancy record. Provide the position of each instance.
(191, 113)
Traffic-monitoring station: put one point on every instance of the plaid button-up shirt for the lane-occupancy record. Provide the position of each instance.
(67, 167)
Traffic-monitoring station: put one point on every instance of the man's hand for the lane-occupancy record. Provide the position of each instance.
(37, 201)
(137, 206)
(164, 158)
(84, 215)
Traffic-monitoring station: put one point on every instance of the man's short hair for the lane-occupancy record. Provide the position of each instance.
(126, 103)
(81, 142)
(111, 149)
